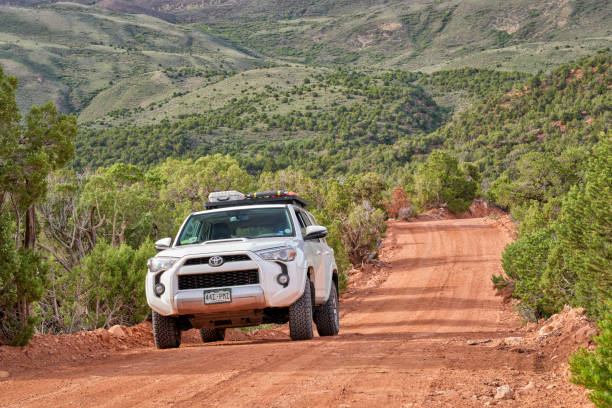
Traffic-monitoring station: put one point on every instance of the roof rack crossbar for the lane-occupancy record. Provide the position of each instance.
(255, 201)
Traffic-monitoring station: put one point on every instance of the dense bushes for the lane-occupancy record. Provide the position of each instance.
(440, 182)
(374, 111)
(594, 370)
(524, 262)
(109, 285)
(566, 259)
(537, 178)
(384, 121)
(568, 107)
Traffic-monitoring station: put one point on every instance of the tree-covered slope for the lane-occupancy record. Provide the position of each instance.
(343, 121)
(571, 106)
(330, 122)
(523, 35)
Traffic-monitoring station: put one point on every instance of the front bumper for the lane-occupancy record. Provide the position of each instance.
(243, 298)
(267, 293)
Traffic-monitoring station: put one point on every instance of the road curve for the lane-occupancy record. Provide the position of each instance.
(401, 344)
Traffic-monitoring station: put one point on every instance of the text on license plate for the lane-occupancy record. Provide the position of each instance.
(217, 296)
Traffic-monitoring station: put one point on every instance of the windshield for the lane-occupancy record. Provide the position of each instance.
(248, 223)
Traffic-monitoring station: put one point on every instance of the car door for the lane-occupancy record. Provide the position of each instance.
(312, 248)
(325, 267)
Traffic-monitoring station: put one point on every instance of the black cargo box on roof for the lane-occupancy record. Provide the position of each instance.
(258, 201)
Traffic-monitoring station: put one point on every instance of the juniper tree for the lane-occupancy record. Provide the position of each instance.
(29, 151)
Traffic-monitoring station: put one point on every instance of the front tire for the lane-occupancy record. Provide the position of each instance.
(326, 315)
(300, 316)
(209, 335)
(166, 331)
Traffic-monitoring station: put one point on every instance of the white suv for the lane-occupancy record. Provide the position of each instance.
(244, 261)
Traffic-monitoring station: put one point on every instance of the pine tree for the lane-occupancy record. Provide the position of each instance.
(594, 370)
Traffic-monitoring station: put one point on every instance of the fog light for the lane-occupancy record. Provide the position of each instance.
(159, 289)
(283, 279)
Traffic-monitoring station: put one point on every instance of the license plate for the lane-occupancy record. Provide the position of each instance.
(217, 296)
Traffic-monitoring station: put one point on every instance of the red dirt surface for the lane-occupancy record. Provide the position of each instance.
(426, 329)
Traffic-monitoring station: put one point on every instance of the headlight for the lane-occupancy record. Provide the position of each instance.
(278, 254)
(160, 264)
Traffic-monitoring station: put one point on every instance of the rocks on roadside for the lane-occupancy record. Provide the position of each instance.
(563, 320)
(117, 330)
(505, 392)
(103, 334)
(528, 388)
(475, 342)
(512, 341)
(584, 335)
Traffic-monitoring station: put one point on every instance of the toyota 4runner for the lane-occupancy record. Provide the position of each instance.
(244, 261)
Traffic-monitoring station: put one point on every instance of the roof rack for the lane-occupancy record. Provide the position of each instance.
(265, 197)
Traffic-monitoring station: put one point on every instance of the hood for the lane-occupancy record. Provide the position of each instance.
(229, 245)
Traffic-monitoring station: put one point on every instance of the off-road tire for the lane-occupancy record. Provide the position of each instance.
(300, 316)
(326, 316)
(209, 335)
(166, 331)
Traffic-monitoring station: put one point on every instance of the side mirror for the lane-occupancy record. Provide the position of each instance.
(315, 232)
(163, 243)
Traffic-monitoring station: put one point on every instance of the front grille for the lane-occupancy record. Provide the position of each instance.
(226, 258)
(218, 279)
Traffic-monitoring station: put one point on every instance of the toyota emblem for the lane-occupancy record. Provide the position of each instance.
(215, 260)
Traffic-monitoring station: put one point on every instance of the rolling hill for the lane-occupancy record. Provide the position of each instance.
(100, 57)
(69, 53)
(523, 35)
(349, 122)
(424, 35)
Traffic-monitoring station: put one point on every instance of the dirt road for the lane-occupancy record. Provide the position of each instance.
(402, 344)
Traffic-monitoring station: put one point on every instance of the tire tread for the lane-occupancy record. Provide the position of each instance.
(208, 335)
(324, 317)
(300, 316)
(166, 332)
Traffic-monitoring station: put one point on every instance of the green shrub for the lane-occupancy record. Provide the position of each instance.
(22, 283)
(440, 181)
(525, 261)
(568, 261)
(584, 234)
(360, 231)
(110, 285)
(594, 370)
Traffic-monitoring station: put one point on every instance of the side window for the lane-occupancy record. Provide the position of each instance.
(303, 220)
(312, 219)
(307, 219)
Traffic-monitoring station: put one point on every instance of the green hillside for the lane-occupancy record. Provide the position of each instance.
(161, 59)
(69, 53)
(174, 94)
(523, 35)
(420, 35)
(569, 107)
(343, 121)
(331, 121)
